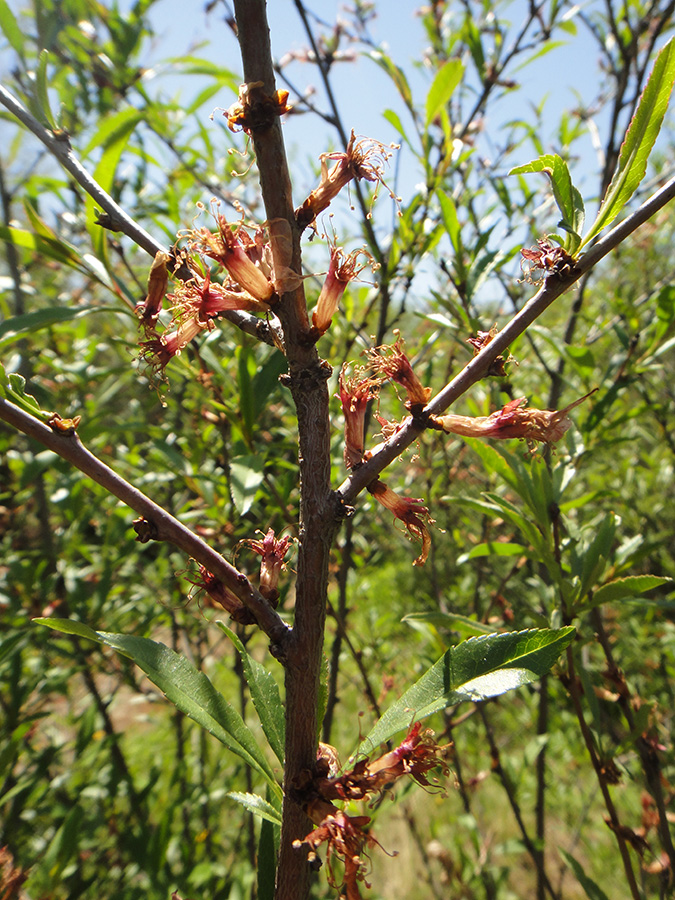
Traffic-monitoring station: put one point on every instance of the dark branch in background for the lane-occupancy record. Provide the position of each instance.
(479, 365)
(164, 526)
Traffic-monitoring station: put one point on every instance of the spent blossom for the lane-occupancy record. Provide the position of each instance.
(346, 836)
(255, 110)
(392, 362)
(545, 259)
(413, 513)
(221, 595)
(272, 550)
(149, 309)
(513, 421)
(355, 392)
(195, 303)
(480, 341)
(364, 159)
(343, 268)
(233, 248)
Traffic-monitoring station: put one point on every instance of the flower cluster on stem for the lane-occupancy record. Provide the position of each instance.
(346, 837)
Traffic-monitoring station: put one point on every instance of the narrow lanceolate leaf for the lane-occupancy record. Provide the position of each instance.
(10, 28)
(567, 197)
(474, 670)
(627, 588)
(592, 890)
(265, 695)
(187, 688)
(640, 137)
(442, 88)
(254, 803)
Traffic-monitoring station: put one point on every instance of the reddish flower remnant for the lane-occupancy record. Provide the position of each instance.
(272, 551)
(392, 362)
(345, 836)
(364, 159)
(342, 269)
(233, 248)
(513, 421)
(354, 393)
(545, 259)
(482, 339)
(195, 304)
(412, 513)
(149, 309)
(254, 110)
(223, 596)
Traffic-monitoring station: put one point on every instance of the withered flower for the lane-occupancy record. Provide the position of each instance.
(272, 550)
(254, 110)
(354, 393)
(342, 269)
(364, 159)
(221, 595)
(345, 838)
(392, 362)
(545, 259)
(513, 421)
(232, 248)
(159, 350)
(482, 339)
(149, 309)
(411, 512)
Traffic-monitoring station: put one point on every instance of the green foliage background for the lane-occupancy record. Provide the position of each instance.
(106, 791)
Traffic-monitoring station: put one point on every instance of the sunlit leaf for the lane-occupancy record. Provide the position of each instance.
(187, 688)
(640, 137)
(474, 670)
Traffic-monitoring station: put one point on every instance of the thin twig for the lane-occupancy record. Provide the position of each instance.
(164, 526)
(479, 365)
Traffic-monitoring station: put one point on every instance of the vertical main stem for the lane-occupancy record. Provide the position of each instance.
(318, 521)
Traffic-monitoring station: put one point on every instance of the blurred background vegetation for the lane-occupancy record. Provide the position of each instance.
(105, 791)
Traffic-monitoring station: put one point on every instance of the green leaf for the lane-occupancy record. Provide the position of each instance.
(10, 28)
(41, 90)
(14, 328)
(13, 388)
(474, 670)
(593, 892)
(442, 87)
(567, 197)
(640, 137)
(264, 693)
(493, 548)
(451, 221)
(396, 74)
(114, 128)
(630, 586)
(246, 476)
(267, 860)
(258, 806)
(187, 688)
(451, 621)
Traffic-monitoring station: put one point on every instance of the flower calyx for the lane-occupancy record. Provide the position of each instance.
(363, 159)
(255, 110)
(272, 551)
(513, 421)
(545, 259)
(391, 362)
(413, 513)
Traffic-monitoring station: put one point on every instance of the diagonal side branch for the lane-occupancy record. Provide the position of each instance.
(165, 526)
(116, 219)
(479, 365)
